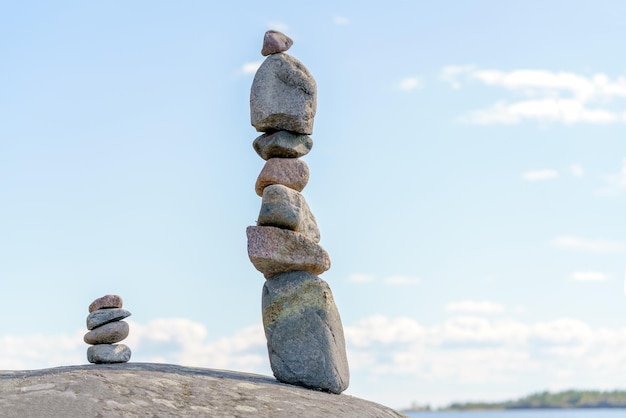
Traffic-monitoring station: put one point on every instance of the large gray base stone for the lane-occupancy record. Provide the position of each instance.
(164, 390)
(304, 333)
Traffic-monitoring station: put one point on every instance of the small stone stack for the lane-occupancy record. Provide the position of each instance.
(304, 333)
(106, 327)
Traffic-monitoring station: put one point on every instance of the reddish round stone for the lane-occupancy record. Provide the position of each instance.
(107, 301)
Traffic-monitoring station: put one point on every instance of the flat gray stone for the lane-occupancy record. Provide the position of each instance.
(108, 353)
(304, 333)
(283, 96)
(290, 172)
(110, 333)
(106, 301)
(282, 144)
(275, 41)
(165, 390)
(104, 316)
(273, 250)
(285, 208)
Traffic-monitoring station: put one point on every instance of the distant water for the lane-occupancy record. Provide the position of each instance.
(525, 413)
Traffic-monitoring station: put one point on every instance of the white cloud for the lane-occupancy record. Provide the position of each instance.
(577, 170)
(615, 184)
(536, 175)
(401, 280)
(250, 67)
(589, 245)
(470, 306)
(361, 278)
(340, 20)
(410, 83)
(589, 276)
(277, 25)
(546, 96)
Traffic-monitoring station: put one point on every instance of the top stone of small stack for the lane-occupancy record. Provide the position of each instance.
(275, 42)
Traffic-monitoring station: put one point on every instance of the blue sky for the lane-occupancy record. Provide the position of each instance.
(468, 175)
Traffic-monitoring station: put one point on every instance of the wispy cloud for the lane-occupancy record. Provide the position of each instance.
(410, 83)
(577, 170)
(589, 245)
(589, 276)
(341, 20)
(250, 67)
(471, 306)
(401, 280)
(545, 95)
(615, 184)
(360, 278)
(536, 175)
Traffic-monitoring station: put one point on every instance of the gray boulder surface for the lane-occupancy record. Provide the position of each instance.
(165, 390)
(285, 208)
(282, 144)
(304, 334)
(274, 250)
(283, 96)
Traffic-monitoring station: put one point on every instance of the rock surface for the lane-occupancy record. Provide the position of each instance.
(143, 389)
(274, 42)
(108, 353)
(283, 96)
(104, 316)
(273, 250)
(285, 208)
(290, 172)
(282, 144)
(107, 301)
(304, 334)
(108, 333)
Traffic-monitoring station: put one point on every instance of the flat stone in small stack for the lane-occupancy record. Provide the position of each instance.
(304, 333)
(106, 328)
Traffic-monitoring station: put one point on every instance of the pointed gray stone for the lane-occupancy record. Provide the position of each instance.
(285, 208)
(304, 333)
(108, 353)
(290, 172)
(274, 42)
(110, 333)
(282, 144)
(104, 316)
(273, 250)
(283, 96)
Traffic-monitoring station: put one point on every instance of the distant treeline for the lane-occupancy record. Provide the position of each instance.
(566, 399)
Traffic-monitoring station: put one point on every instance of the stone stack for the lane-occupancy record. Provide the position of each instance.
(106, 327)
(304, 333)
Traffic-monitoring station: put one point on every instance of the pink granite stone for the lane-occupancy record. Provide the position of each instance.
(290, 172)
(107, 301)
(274, 42)
(274, 250)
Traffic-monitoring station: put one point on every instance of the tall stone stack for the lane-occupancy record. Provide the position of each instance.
(106, 328)
(304, 333)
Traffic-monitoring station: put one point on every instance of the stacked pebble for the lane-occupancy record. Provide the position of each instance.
(106, 327)
(302, 325)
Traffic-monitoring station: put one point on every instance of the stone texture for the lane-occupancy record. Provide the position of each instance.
(282, 144)
(285, 208)
(290, 172)
(274, 42)
(273, 250)
(304, 334)
(108, 333)
(107, 301)
(283, 96)
(104, 316)
(165, 390)
(108, 353)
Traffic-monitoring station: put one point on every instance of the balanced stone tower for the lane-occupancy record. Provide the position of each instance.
(304, 334)
(106, 327)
